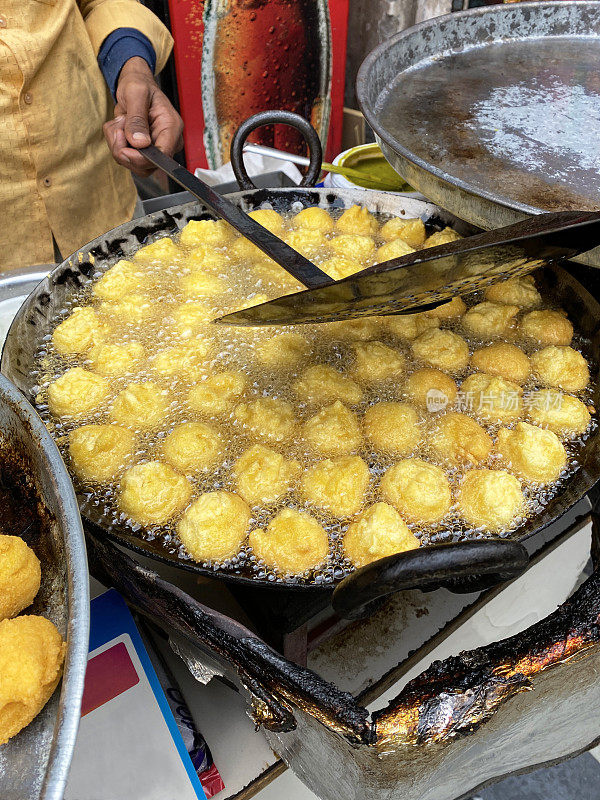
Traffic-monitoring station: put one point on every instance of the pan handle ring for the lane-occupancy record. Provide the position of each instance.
(462, 567)
(310, 135)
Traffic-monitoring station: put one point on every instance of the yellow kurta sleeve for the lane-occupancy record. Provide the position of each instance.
(102, 17)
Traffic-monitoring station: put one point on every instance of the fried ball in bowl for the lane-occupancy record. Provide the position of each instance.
(199, 284)
(121, 279)
(533, 453)
(163, 252)
(409, 326)
(99, 453)
(282, 351)
(411, 230)
(133, 309)
(355, 330)
(153, 493)
(117, 360)
(32, 653)
(490, 499)
(442, 237)
(518, 291)
(394, 249)
(488, 320)
(451, 310)
(565, 415)
(375, 362)
(77, 393)
(206, 259)
(185, 361)
(80, 331)
(213, 232)
(357, 219)
(293, 543)
(338, 267)
(190, 319)
(20, 576)
(444, 350)
(458, 439)
(142, 405)
(214, 527)
(267, 418)
(333, 431)
(547, 327)
(262, 475)
(504, 360)
(336, 485)
(418, 490)
(378, 532)
(392, 427)
(269, 219)
(193, 447)
(492, 398)
(218, 393)
(561, 367)
(358, 248)
(431, 389)
(308, 241)
(324, 384)
(313, 219)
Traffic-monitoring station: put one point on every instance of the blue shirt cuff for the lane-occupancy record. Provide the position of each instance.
(118, 47)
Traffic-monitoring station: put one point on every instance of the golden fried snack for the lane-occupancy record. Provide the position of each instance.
(282, 351)
(199, 284)
(487, 320)
(323, 384)
(244, 250)
(308, 241)
(76, 393)
(376, 362)
(131, 309)
(502, 359)
(262, 475)
(98, 453)
(163, 251)
(431, 389)
(333, 431)
(337, 485)
(20, 576)
(193, 446)
(411, 230)
(314, 219)
(116, 360)
(213, 232)
(561, 367)
(153, 493)
(214, 527)
(535, 454)
(121, 279)
(518, 291)
(547, 327)
(79, 332)
(204, 257)
(458, 439)
(392, 427)
(338, 267)
(444, 350)
(269, 219)
(189, 319)
(357, 219)
(450, 310)
(490, 499)
(186, 361)
(409, 326)
(394, 249)
(355, 330)
(442, 237)
(31, 658)
(378, 532)
(293, 543)
(218, 393)
(140, 405)
(267, 418)
(418, 490)
(358, 248)
(561, 413)
(492, 398)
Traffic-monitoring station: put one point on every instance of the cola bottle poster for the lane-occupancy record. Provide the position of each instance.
(236, 57)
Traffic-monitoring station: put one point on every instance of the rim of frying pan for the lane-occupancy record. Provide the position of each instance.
(32, 323)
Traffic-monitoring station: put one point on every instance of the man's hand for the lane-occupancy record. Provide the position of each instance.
(143, 116)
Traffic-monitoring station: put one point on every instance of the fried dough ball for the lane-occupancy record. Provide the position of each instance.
(518, 291)
(418, 490)
(201, 284)
(266, 418)
(392, 427)
(431, 389)
(122, 278)
(263, 475)
(184, 361)
(442, 237)
(20, 576)
(359, 220)
(214, 527)
(269, 219)
(493, 398)
(333, 431)
(282, 351)
(323, 384)
(561, 413)
(356, 329)
(268, 271)
(378, 532)
(394, 249)
(450, 310)
(244, 250)
(336, 485)
(31, 658)
(444, 350)
(163, 251)
(131, 309)
(533, 453)
(307, 241)
(192, 447)
(293, 542)
(213, 232)
(78, 332)
(140, 405)
(562, 367)
(218, 393)
(376, 361)
(116, 359)
(411, 230)
(409, 326)
(99, 452)
(547, 327)
(487, 320)
(153, 493)
(502, 359)
(490, 499)
(358, 248)
(191, 318)
(207, 259)
(339, 267)
(76, 393)
(458, 439)
(314, 219)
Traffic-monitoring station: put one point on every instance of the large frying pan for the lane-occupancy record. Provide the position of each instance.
(465, 566)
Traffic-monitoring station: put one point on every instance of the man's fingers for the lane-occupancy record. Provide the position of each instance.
(115, 137)
(167, 125)
(136, 101)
